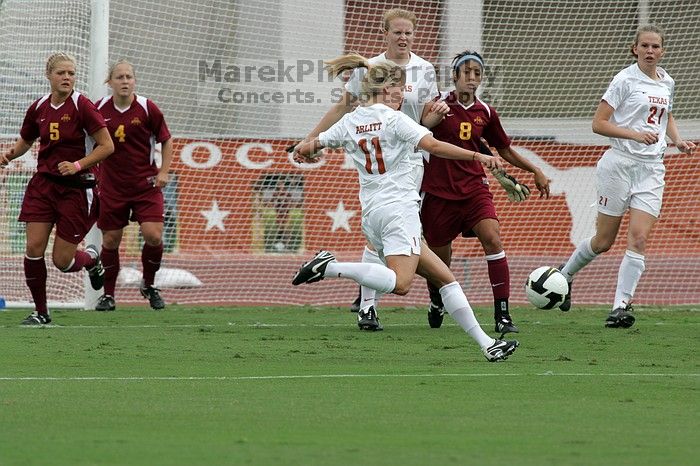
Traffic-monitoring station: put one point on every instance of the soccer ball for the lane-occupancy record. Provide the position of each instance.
(546, 287)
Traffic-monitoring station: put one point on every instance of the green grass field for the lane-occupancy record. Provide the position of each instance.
(274, 386)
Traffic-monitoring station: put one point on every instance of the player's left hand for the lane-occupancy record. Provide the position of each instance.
(6, 158)
(686, 147)
(66, 168)
(161, 180)
(517, 192)
(542, 184)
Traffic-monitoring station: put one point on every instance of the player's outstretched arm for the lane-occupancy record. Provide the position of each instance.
(516, 191)
(19, 149)
(308, 151)
(450, 151)
(514, 158)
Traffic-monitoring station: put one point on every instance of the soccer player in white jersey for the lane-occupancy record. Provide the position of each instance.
(421, 87)
(381, 141)
(636, 114)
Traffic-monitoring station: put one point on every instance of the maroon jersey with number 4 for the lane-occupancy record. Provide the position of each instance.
(462, 126)
(135, 131)
(63, 131)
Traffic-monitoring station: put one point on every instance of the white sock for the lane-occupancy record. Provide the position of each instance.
(458, 307)
(368, 296)
(580, 258)
(374, 276)
(628, 276)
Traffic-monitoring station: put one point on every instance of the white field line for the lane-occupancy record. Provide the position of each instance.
(350, 323)
(341, 376)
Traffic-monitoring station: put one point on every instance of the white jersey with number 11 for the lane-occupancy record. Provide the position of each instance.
(381, 142)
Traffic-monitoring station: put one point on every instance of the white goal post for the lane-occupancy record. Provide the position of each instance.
(240, 81)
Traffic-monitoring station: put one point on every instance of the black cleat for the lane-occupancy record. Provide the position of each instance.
(152, 294)
(620, 318)
(96, 272)
(566, 305)
(505, 324)
(435, 315)
(313, 270)
(105, 303)
(37, 319)
(367, 320)
(500, 350)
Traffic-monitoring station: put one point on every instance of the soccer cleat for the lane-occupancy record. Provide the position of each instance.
(313, 270)
(566, 305)
(96, 272)
(435, 315)
(500, 350)
(105, 303)
(367, 320)
(355, 306)
(37, 319)
(620, 318)
(505, 324)
(152, 294)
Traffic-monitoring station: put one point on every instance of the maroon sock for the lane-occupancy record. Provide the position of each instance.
(110, 262)
(499, 275)
(81, 260)
(150, 259)
(35, 275)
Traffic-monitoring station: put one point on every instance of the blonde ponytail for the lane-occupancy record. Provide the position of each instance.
(379, 75)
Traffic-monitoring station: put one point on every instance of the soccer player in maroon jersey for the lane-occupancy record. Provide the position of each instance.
(130, 182)
(61, 191)
(457, 199)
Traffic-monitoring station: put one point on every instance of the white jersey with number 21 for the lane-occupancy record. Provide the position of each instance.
(381, 142)
(641, 104)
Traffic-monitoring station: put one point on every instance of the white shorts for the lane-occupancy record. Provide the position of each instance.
(417, 172)
(623, 183)
(394, 229)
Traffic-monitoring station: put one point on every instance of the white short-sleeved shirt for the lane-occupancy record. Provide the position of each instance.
(380, 141)
(640, 104)
(421, 87)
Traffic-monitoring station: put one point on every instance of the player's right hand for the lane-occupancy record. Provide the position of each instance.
(647, 137)
(490, 162)
(5, 159)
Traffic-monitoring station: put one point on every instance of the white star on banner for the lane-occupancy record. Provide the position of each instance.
(340, 217)
(215, 217)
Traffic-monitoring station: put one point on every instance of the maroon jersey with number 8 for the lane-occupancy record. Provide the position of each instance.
(463, 127)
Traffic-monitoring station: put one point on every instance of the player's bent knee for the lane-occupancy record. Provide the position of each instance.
(153, 240)
(61, 263)
(402, 287)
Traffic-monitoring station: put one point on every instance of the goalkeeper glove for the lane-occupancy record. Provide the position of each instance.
(517, 192)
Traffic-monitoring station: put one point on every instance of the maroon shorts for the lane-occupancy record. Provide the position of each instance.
(73, 210)
(116, 210)
(443, 219)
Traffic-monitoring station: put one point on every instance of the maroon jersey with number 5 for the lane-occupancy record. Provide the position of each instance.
(135, 131)
(463, 127)
(63, 131)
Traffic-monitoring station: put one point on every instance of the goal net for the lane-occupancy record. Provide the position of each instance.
(239, 81)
